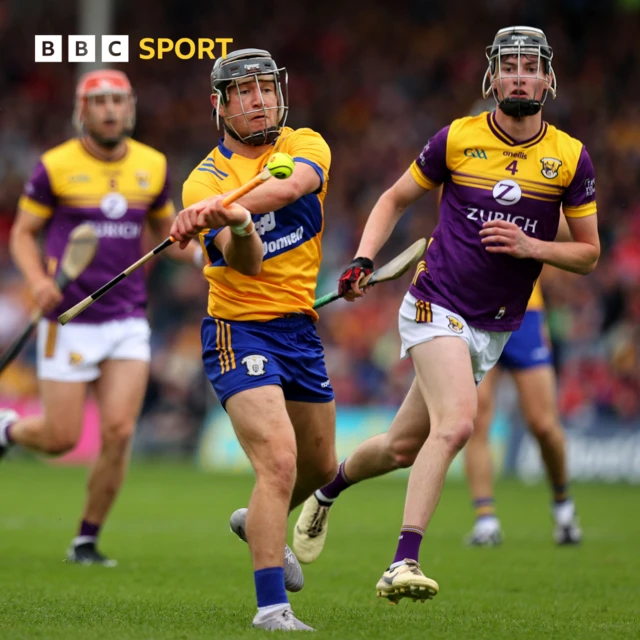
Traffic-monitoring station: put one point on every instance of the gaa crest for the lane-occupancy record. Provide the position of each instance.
(550, 167)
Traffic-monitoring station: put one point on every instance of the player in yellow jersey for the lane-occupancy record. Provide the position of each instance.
(117, 185)
(507, 178)
(527, 357)
(260, 347)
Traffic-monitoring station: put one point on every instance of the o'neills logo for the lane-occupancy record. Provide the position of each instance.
(515, 154)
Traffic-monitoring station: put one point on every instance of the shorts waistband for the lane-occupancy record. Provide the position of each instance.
(291, 322)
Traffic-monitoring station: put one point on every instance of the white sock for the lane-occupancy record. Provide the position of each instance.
(78, 540)
(320, 496)
(396, 564)
(272, 608)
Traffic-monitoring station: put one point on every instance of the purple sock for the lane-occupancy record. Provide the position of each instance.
(409, 544)
(7, 434)
(88, 529)
(332, 490)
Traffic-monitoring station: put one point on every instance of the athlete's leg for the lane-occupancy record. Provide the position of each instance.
(314, 424)
(119, 392)
(537, 392)
(445, 376)
(58, 429)
(479, 466)
(376, 456)
(264, 430)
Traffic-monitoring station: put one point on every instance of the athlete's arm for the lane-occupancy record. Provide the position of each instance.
(241, 247)
(23, 244)
(387, 211)
(276, 194)
(579, 256)
(563, 235)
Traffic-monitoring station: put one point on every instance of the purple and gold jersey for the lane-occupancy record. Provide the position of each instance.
(486, 175)
(291, 236)
(69, 186)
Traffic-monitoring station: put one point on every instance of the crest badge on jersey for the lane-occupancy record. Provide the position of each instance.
(550, 167)
(255, 364)
(455, 325)
(143, 179)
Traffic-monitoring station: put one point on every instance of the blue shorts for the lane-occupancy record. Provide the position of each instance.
(529, 345)
(286, 352)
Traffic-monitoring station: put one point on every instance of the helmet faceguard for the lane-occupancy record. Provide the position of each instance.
(238, 68)
(104, 82)
(519, 42)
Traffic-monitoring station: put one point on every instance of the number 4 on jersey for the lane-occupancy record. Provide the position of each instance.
(513, 167)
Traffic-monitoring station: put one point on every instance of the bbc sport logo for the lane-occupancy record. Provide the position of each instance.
(116, 48)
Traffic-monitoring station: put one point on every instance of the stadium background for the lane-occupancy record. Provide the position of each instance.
(377, 84)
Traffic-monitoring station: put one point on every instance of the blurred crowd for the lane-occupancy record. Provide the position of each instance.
(376, 84)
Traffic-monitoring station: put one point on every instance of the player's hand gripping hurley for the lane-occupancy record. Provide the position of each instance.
(390, 271)
(272, 169)
(78, 253)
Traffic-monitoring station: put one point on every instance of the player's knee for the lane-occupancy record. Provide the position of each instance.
(403, 452)
(116, 436)
(279, 470)
(546, 428)
(455, 434)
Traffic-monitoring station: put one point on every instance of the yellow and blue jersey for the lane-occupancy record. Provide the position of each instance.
(291, 236)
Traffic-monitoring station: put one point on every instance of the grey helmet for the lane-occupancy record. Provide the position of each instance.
(518, 41)
(239, 67)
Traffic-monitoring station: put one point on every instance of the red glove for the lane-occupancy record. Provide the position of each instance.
(359, 268)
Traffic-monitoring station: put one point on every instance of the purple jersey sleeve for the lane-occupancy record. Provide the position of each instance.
(39, 187)
(432, 161)
(582, 189)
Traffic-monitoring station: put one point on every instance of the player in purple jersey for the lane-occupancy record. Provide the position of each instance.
(118, 185)
(506, 176)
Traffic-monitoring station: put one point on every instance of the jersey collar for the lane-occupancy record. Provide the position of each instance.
(504, 137)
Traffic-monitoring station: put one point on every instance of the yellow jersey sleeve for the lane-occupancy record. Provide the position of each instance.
(38, 198)
(309, 147)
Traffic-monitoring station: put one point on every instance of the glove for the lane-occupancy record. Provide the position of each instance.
(359, 268)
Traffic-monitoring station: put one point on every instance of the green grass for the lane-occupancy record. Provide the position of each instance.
(183, 575)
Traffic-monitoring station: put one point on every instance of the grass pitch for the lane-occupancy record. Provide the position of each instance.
(183, 575)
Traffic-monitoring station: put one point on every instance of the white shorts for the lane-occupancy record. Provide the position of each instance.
(73, 352)
(428, 321)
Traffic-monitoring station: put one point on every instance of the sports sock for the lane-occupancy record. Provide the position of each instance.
(270, 587)
(331, 491)
(560, 493)
(484, 508)
(88, 532)
(408, 544)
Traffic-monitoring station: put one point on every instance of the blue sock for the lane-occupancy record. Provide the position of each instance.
(270, 586)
